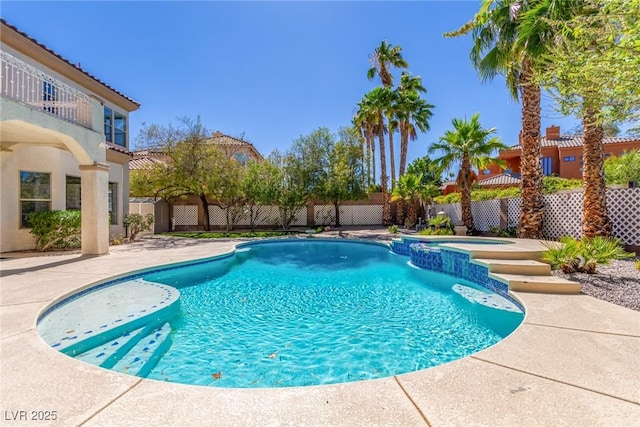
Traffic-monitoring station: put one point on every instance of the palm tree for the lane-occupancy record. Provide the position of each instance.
(364, 119)
(502, 46)
(595, 221)
(378, 101)
(471, 145)
(413, 113)
(410, 189)
(384, 57)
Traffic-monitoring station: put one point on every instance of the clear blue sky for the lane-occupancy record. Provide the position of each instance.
(271, 70)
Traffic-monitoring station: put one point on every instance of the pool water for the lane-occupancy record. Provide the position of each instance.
(309, 312)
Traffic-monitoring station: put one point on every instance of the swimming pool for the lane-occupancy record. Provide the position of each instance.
(289, 313)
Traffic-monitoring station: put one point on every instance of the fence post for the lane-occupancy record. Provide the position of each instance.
(504, 214)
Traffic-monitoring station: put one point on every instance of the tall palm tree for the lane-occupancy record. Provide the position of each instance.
(595, 221)
(378, 100)
(471, 145)
(365, 120)
(413, 113)
(500, 48)
(383, 58)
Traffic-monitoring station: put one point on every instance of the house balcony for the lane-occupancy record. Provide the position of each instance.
(34, 88)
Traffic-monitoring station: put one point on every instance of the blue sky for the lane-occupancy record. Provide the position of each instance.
(271, 71)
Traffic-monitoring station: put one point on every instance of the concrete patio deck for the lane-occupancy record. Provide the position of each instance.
(574, 361)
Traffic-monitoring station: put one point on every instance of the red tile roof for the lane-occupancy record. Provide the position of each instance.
(568, 141)
(502, 179)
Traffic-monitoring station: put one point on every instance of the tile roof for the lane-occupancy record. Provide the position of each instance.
(143, 163)
(118, 148)
(502, 179)
(25, 35)
(568, 141)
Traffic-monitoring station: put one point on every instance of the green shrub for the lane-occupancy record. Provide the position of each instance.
(638, 264)
(137, 224)
(584, 255)
(436, 232)
(56, 229)
(505, 232)
(393, 229)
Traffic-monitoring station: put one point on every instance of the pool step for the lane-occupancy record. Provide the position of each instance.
(534, 283)
(146, 353)
(108, 354)
(515, 266)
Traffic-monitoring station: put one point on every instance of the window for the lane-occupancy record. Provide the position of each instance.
(569, 159)
(108, 124)
(48, 97)
(241, 158)
(73, 193)
(35, 194)
(547, 168)
(113, 202)
(115, 127)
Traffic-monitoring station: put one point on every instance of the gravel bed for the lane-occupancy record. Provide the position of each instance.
(618, 283)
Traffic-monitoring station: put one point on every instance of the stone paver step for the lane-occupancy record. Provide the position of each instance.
(548, 284)
(515, 266)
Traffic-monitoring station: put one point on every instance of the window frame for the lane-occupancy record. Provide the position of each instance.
(112, 203)
(24, 223)
(114, 132)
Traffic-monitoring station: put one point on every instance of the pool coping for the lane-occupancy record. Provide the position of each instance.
(573, 361)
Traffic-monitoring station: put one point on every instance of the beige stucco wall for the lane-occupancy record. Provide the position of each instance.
(59, 164)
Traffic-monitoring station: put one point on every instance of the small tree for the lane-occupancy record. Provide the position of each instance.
(260, 185)
(136, 224)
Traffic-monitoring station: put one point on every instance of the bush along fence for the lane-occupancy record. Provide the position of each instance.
(562, 214)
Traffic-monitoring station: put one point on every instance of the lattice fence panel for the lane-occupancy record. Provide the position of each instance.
(486, 214)
(362, 215)
(217, 216)
(562, 215)
(623, 207)
(185, 215)
(325, 215)
(267, 216)
(452, 210)
(349, 214)
(513, 212)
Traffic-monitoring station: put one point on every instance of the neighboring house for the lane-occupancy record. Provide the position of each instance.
(495, 182)
(64, 138)
(238, 149)
(561, 154)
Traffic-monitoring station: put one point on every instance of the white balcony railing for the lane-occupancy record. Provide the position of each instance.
(34, 88)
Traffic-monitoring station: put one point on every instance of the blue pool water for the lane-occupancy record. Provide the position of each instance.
(309, 312)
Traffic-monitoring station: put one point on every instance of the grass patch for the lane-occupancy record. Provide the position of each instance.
(229, 234)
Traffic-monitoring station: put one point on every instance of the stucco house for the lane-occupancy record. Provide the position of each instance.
(561, 155)
(185, 213)
(64, 144)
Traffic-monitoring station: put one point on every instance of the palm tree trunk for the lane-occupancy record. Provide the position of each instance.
(532, 209)
(404, 143)
(595, 221)
(412, 214)
(386, 206)
(336, 207)
(392, 158)
(372, 146)
(400, 211)
(465, 188)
